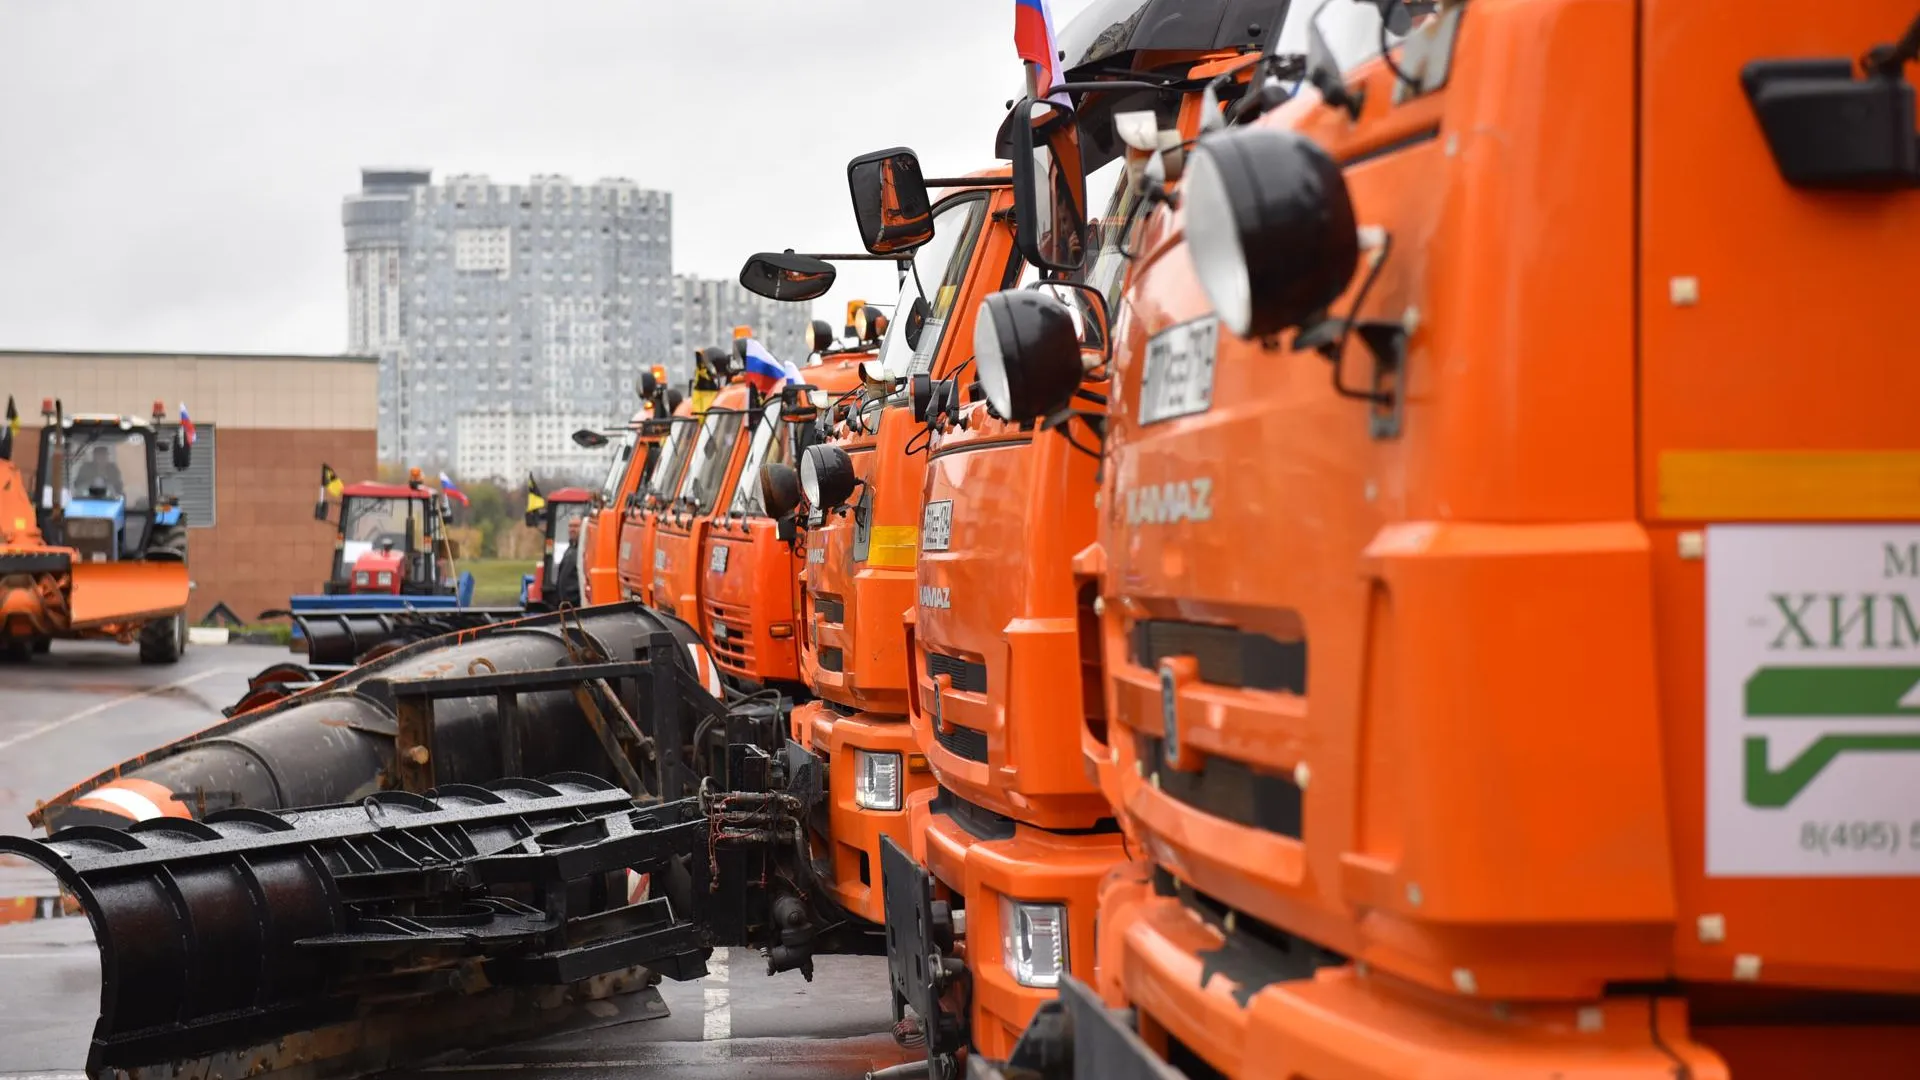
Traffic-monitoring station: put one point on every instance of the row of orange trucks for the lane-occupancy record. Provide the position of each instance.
(1169, 698)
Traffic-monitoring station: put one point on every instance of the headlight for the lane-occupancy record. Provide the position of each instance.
(1270, 228)
(385, 579)
(1033, 942)
(1028, 354)
(362, 578)
(876, 780)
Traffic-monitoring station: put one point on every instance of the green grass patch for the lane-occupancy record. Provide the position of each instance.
(496, 582)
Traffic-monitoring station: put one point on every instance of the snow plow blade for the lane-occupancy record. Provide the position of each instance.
(341, 940)
(112, 592)
(341, 638)
(335, 742)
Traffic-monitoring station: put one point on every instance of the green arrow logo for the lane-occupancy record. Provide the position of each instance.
(1814, 693)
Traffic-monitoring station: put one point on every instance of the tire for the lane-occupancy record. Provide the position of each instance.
(162, 641)
(42, 645)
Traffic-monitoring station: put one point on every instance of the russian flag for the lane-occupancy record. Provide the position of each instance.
(446, 485)
(186, 425)
(1033, 39)
(762, 371)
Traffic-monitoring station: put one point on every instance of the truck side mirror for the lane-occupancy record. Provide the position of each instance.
(783, 275)
(890, 201)
(1049, 186)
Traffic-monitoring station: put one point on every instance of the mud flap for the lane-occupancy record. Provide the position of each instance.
(915, 956)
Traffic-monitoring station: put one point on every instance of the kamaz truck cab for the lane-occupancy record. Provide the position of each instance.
(861, 491)
(1018, 837)
(640, 513)
(391, 538)
(636, 454)
(750, 600)
(712, 467)
(1459, 380)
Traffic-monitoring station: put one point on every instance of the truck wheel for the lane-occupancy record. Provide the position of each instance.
(162, 641)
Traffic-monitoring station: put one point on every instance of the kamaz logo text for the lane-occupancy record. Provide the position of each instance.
(935, 596)
(1171, 503)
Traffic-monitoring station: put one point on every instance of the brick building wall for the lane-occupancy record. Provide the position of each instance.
(275, 420)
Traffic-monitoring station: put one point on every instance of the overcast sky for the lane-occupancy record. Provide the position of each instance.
(171, 172)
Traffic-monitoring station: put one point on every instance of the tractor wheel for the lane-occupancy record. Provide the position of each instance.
(42, 645)
(162, 641)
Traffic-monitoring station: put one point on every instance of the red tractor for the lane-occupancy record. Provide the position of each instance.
(555, 513)
(391, 539)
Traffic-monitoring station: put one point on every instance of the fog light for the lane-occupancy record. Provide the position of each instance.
(1033, 942)
(876, 780)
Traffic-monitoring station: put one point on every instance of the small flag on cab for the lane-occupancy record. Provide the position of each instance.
(536, 502)
(453, 492)
(763, 371)
(11, 429)
(330, 487)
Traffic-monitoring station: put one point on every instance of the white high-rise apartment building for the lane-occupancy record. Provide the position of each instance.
(540, 301)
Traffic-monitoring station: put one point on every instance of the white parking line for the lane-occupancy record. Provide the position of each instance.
(717, 1025)
(96, 710)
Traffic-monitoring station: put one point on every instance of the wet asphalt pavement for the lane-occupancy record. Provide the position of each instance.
(85, 707)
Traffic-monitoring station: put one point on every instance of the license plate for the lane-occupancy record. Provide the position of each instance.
(1179, 375)
(717, 562)
(936, 525)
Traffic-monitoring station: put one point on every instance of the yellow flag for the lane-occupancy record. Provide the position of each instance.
(330, 481)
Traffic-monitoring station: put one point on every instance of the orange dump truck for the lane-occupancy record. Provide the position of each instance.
(750, 599)
(1016, 839)
(861, 487)
(635, 457)
(1504, 605)
(641, 512)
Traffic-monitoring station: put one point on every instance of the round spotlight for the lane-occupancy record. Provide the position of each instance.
(1027, 353)
(868, 323)
(1270, 228)
(819, 336)
(779, 488)
(826, 476)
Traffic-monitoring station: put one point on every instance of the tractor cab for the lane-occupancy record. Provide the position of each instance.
(98, 486)
(390, 539)
(562, 507)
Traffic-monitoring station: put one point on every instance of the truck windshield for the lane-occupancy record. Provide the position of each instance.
(1106, 268)
(940, 267)
(673, 453)
(622, 454)
(711, 455)
(770, 444)
(366, 521)
(107, 463)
